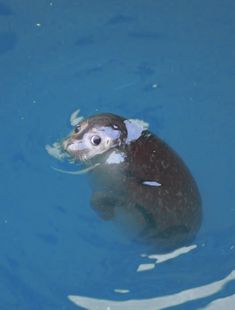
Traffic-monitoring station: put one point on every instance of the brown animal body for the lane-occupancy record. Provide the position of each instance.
(137, 180)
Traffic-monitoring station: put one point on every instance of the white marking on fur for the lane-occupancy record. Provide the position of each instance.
(151, 183)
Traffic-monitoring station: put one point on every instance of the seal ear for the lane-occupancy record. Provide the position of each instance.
(134, 129)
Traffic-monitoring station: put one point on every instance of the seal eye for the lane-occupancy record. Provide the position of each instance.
(115, 126)
(77, 128)
(95, 140)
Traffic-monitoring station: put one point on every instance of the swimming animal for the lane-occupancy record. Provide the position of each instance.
(137, 179)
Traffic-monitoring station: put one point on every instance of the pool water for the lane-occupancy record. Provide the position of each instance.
(169, 63)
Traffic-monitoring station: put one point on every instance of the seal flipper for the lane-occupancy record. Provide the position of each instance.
(103, 203)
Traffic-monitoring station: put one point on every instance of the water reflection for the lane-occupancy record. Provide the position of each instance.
(222, 303)
(160, 302)
(160, 258)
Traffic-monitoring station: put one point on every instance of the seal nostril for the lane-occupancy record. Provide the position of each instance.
(65, 144)
(73, 147)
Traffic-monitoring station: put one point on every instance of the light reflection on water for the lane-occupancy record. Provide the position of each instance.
(160, 258)
(163, 302)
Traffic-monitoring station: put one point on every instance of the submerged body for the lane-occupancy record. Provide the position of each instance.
(137, 179)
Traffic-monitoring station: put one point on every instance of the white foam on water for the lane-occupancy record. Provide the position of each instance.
(75, 119)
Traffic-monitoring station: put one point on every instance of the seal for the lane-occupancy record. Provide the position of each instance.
(137, 179)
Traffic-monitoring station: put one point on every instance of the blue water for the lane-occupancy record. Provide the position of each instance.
(170, 63)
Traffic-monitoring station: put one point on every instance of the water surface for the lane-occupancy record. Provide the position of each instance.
(170, 63)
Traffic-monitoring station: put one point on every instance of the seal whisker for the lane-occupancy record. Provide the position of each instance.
(78, 172)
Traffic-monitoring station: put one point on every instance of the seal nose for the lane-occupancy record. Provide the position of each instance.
(72, 146)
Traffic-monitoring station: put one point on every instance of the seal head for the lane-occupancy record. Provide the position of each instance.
(95, 136)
